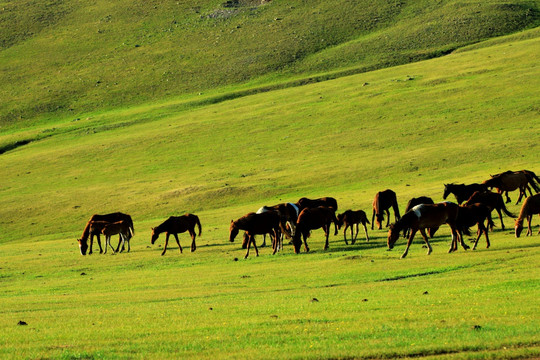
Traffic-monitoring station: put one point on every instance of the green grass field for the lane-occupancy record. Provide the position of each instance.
(235, 147)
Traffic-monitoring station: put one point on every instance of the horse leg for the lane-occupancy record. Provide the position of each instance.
(193, 237)
(264, 240)
(355, 234)
(255, 245)
(104, 252)
(529, 228)
(91, 241)
(99, 243)
(507, 197)
(423, 233)
(120, 242)
(365, 230)
(178, 242)
(305, 236)
(108, 241)
(522, 192)
(409, 242)
(500, 218)
(373, 219)
(458, 236)
(248, 246)
(345, 233)
(166, 243)
(388, 217)
(326, 229)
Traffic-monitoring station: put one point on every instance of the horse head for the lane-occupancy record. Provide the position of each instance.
(447, 190)
(518, 227)
(233, 231)
(340, 219)
(155, 235)
(393, 235)
(83, 246)
(297, 240)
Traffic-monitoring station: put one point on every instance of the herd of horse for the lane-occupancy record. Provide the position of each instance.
(296, 221)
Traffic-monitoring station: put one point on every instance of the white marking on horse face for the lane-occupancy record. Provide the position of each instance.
(261, 210)
(417, 210)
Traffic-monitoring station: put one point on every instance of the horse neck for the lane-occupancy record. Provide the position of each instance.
(86, 231)
(162, 227)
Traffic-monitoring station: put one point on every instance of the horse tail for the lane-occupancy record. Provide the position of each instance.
(532, 179)
(198, 224)
(131, 227)
(504, 209)
(396, 208)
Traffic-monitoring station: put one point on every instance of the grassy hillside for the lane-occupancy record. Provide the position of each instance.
(411, 128)
(64, 59)
(232, 149)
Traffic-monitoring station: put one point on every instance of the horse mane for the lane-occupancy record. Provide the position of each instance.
(86, 231)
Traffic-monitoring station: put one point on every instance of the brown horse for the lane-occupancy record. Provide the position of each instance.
(492, 200)
(474, 214)
(113, 217)
(512, 180)
(122, 228)
(425, 216)
(288, 213)
(383, 201)
(257, 224)
(462, 192)
(530, 206)
(418, 201)
(176, 225)
(351, 218)
(311, 219)
(313, 203)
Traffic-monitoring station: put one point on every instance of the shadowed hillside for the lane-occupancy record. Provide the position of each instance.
(64, 58)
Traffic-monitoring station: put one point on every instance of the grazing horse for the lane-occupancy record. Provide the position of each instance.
(492, 200)
(425, 216)
(113, 217)
(313, 203)
(351, 218)
(383, 201)
(512, 180)
(288, 213)
(474, 214)
(256, 224)
(176, 225)
(122, 228)
(530, 206)
(412, 203)
(311, 219)
(462, 192)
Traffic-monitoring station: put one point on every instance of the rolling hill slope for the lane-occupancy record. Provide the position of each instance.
(64, 59)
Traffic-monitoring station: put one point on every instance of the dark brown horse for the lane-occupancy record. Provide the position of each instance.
(351, 218)
(311, 219)
(462, 192)
(313, 203)
(113, 217)
(474, 214)
(288, 213)
(122, 228)
(425, 216)
(492, 200)
(530, 206)
(383, 201)
(418, 201)
(513, 180)
(256, 224)
(176, 225)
